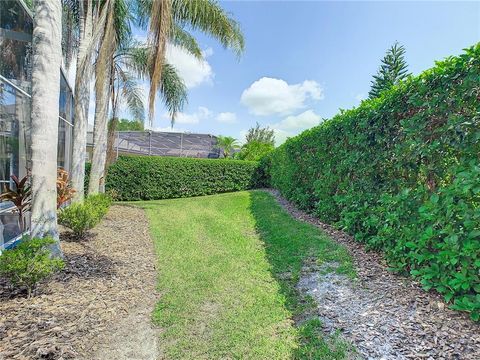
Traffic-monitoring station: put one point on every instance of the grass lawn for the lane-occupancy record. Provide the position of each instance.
(228, 265)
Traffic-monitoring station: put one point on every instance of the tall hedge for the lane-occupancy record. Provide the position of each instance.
(149, 178)
(402, 174)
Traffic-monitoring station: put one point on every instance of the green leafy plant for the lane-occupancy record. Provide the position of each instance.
(263, 135)
(254, 151)
(82, 217)
(21, 197)
(29, 263)
(227, 145)
(100, 203)
(79, 217)
(147, 178)
(401, 174)
(393, 69)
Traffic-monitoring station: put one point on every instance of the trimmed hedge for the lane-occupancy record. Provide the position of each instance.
(150, 178)
(402, 174)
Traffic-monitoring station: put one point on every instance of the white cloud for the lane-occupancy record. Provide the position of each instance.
(227, 118)
(305, 120)
(193, 71)
(191, 118)
(268, 96)
(294, 124)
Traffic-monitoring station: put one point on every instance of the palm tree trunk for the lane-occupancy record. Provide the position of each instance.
(46, 62)
(112, 128)
(100, 130)
(102, 94)
(82, 100)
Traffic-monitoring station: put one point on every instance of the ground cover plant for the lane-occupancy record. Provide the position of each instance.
(228, 266)
(154, 177)
(401, 172)
(82, 217)
(29, 262)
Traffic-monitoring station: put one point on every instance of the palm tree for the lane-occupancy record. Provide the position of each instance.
(86, 21)
(131, 60)
(46, 62)
(227, 144)
(166, 20)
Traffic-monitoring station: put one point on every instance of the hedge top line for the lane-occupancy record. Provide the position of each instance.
(450, 63)
(186, 159)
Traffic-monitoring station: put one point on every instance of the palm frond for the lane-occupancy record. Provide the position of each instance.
(136, 59)
(160, 24)
(173, 91)
(131, 92)
(70, 29)
(208, 17)
(184, 39)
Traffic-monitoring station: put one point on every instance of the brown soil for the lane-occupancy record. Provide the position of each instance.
(385, 316)
(99, 307)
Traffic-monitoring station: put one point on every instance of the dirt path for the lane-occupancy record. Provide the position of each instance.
(98, 308)
(384, 315)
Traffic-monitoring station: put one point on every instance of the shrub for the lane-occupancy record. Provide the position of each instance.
(100, 203)
(401, 173)
(29, 262)
(254, 151)
(79, 217)
(147, 178)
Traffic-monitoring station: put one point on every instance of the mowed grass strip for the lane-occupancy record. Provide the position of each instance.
(221, 277)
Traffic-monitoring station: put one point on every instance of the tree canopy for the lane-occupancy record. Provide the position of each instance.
(392, 69)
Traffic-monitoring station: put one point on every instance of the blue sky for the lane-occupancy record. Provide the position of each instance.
(306, 59)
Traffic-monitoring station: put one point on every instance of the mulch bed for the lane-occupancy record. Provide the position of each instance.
(106, 276)
(386, 316)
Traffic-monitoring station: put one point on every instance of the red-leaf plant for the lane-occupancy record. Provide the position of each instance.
(21, 197)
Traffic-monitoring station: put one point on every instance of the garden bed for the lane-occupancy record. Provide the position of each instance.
(108, 282)
(385, 316)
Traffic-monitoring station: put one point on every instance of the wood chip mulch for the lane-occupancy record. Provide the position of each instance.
(107, 276)
(384, 315)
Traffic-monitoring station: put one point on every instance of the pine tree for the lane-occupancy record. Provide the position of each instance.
(393, 69)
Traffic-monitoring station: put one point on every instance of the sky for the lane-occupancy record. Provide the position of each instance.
(305, 60)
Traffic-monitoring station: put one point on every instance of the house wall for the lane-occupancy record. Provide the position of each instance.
(16, 27)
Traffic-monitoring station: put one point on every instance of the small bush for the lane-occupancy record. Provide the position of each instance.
(149, 177)
(79, 217)
(29, 262)
(100, 203)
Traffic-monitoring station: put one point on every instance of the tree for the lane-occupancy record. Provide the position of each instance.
(85, 50)
(227, 144)
(254, 150)
(392, 70)
(130, 62)
(111, 37)
(167, 20)
(129, 125)
(262, 135)
(46, 62)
